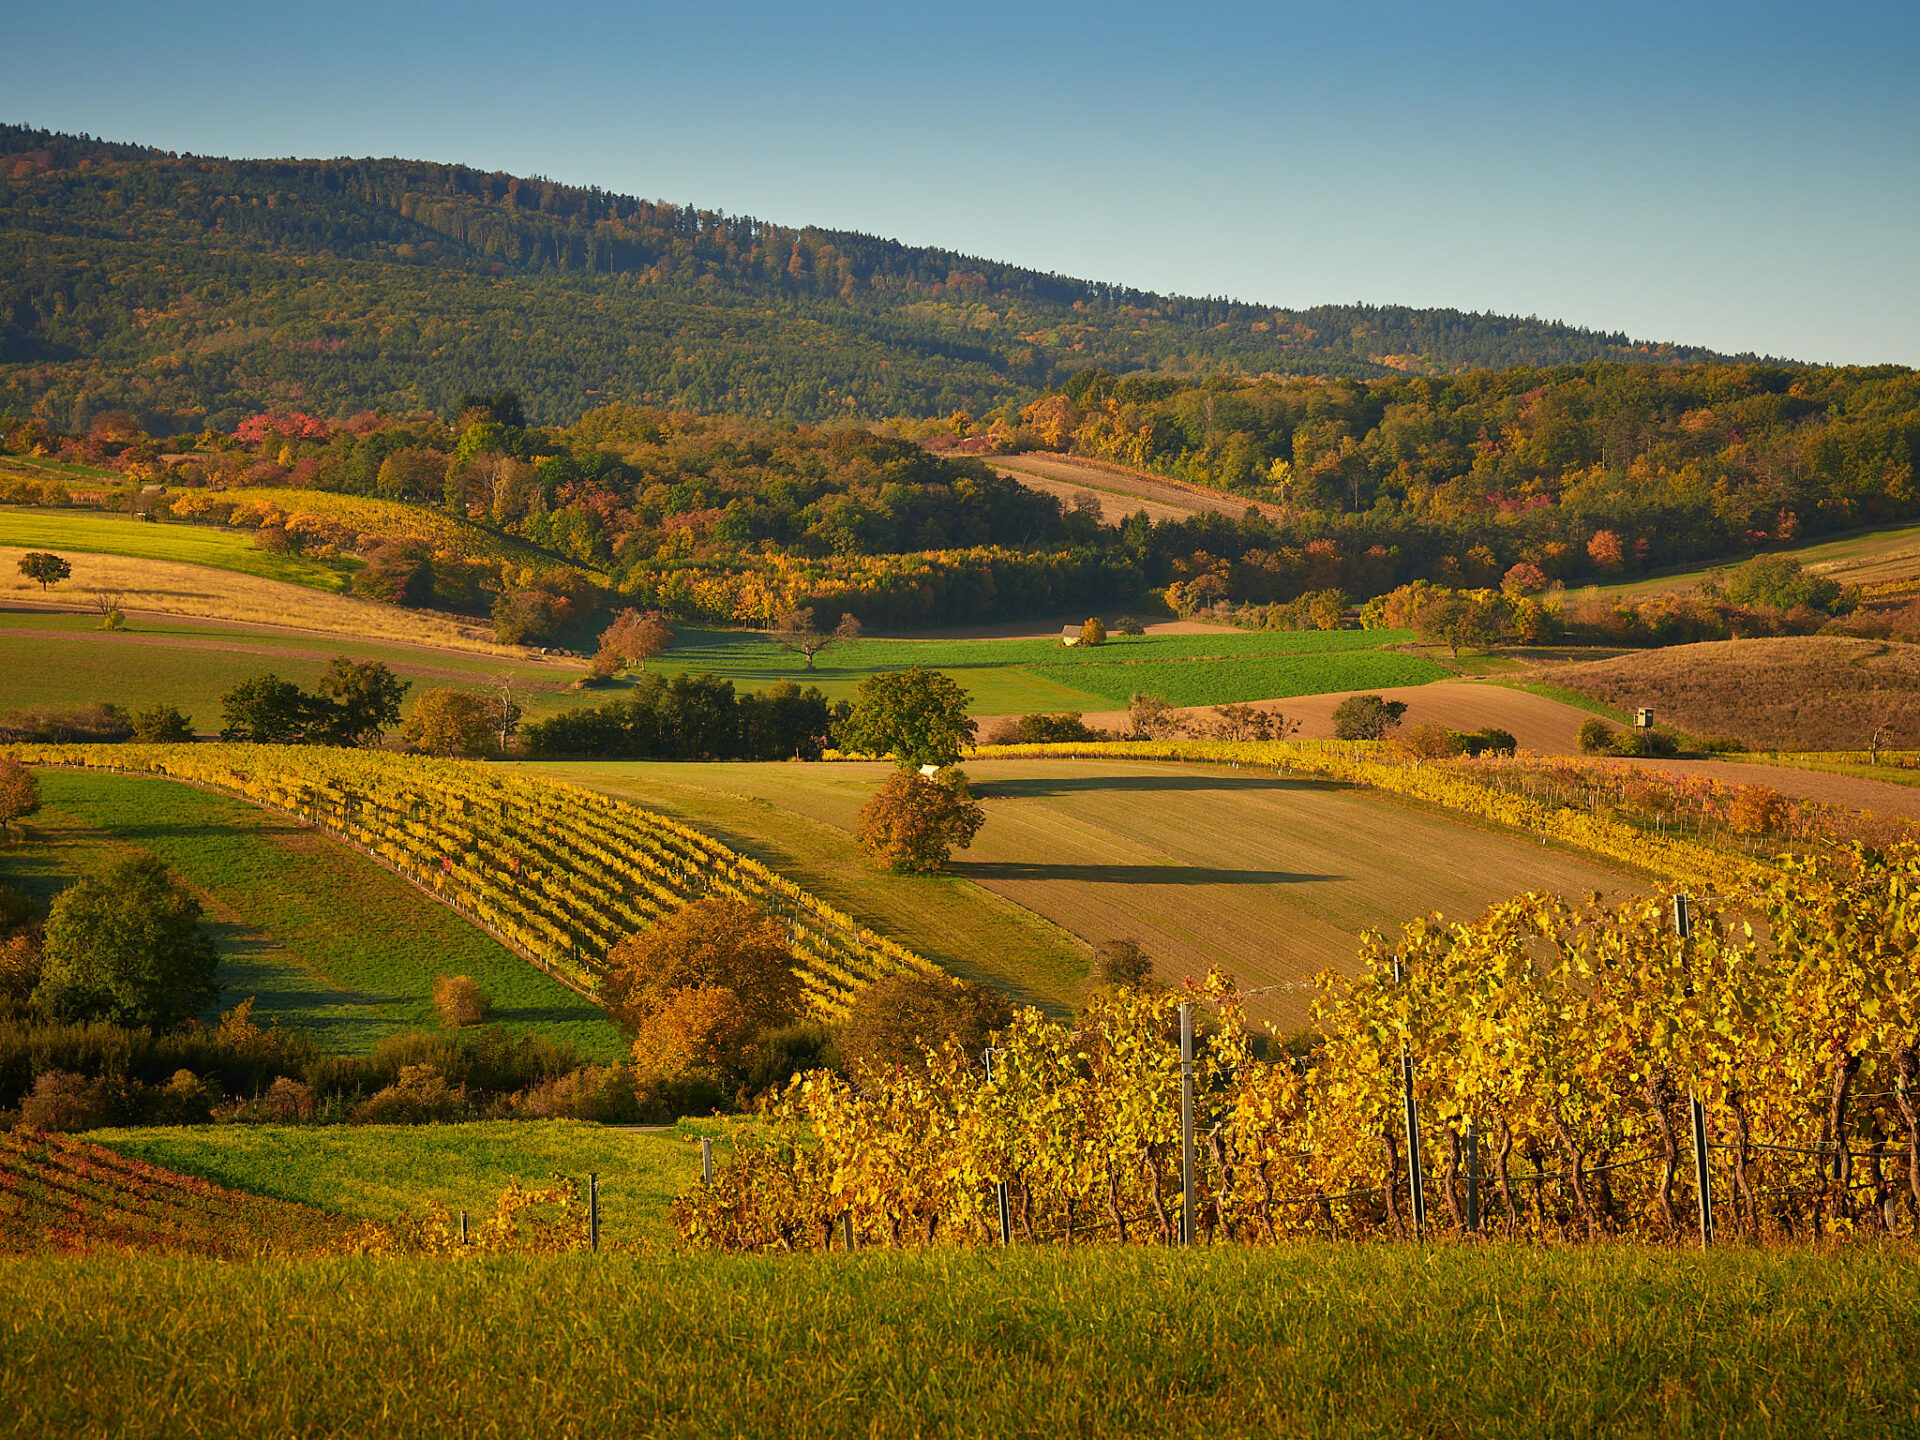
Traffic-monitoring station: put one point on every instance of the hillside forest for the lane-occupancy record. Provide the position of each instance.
(193, 291)
(1521, 479)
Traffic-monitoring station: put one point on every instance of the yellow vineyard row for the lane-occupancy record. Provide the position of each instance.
(558, 873)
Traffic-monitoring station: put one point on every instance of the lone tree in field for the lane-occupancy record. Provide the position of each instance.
(1366, 717)
(634, 639)
(365, 699)
(915, 822)
(917, 716)
(1118, 964)
(127, 947)
(47, 569)
(19, 793)
(1150, 717)
(446, 721)
(795, 630)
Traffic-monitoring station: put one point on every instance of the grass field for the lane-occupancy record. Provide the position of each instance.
(55, 660)
(217, 548)
(391, 1172)
(1007, 677)
(1271, 878)
(320, 936)
(1316, 1341)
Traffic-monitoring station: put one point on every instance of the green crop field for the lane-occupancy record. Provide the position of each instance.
(1314, 1340)
(320, 936)
(1271, 878)
(391, 1172)
(220, 549)
(55, 660)
(1008, 677)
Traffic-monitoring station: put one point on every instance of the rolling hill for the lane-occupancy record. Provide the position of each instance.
(191, 289)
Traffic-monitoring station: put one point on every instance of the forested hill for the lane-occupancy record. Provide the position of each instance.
(190, 290)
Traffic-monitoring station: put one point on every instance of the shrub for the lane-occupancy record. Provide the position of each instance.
(605, 1094)
(1150, 717)
(1431, 742)
(1596, 736)
(1758, 810)
(896, 1021)
(94, 724)
(127, 947)
(421, 1096)
(1120, 963)
(789, 1051)
(1366, 717)
(19, 794)
(1490, 741)
(1127, 625)
(913, 824)
(693, 1030)
(460, 1001)
(62, 1100)
(1093, 631)
(287, 1102)
(185, 1099)
(162, 725)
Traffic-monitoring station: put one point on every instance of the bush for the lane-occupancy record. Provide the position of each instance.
(19, 797)
(1093, 631)
(1597, 737)
(896, 1021)
(1489, 741)
(1366, 717)
(913, 824)
(127, 947)
(62, 1100)
(604, 1094)
(1127, 625)
(1150, 717)
(1119, 963)
(1758, 810)
(420, 1096)
(185, 1099)
(162, 725)
(460, 1001)
(287, 1102)
(1431, 742)
(784, 1053)
(94, 724)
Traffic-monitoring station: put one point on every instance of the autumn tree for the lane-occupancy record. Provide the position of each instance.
(917, 716)
(1093, 631)
(44, 569)
(1366, 717)
(634, 639)
(446, 721)
(1120, 963)
(794, 630)
(1150, 717)
(266, 710)
(364, 699)
(914, 822)
(19, 793)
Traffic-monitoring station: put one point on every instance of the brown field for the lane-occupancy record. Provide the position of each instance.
(1545, 726)
(1798, 693)
(1122, 492)
(170, 587)
(1271, 879)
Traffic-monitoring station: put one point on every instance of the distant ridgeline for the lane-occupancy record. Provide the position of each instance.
(194, 291)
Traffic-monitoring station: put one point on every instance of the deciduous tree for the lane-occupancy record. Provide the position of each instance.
(44, 569)
(917, 716)
(446, 721)
(127, 947)
(914, 823)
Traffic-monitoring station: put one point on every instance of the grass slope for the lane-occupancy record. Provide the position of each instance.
(57, 660)
(1810, 692)
(1306, 1341)
(218, 549)
(1861, 558)
(324, 939)
(1007, 677)
(379, 1172)
(1272, 879)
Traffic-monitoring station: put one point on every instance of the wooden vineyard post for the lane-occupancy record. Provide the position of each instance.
(1000, 1186)
(1473, 1178)
(593, 1211)
(1416, 1181)
(1186, 1123)
(706, 1159)
(846, 1229)
(1702, 1173)
(463, 1227)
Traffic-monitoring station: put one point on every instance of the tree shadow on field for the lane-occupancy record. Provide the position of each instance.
(987, 870)
(1039, 788)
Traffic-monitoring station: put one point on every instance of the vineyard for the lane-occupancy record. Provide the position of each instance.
(1546, 1053)
(63, 1195)
(557, 873)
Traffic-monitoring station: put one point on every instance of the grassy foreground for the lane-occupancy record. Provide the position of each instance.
(1313, 1341)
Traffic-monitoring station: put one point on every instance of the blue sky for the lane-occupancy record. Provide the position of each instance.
(1741, 176)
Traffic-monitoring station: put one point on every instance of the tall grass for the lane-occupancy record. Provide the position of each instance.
(1315, 1341)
